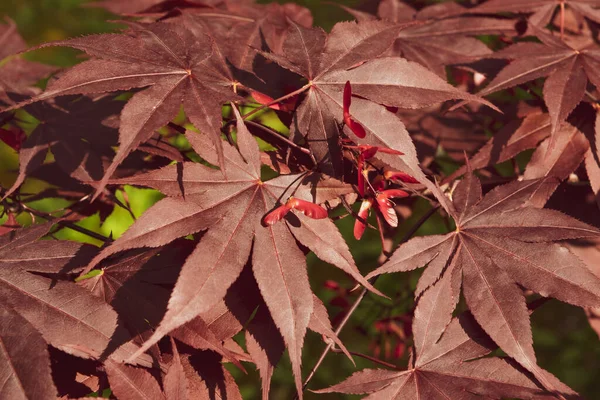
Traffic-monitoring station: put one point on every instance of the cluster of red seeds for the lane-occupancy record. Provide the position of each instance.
(374, 194)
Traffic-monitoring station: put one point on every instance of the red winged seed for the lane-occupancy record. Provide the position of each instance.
(387, 207)
(353, 125)
(309, 209)
(359, 226)
(399, 176)
(276, 215)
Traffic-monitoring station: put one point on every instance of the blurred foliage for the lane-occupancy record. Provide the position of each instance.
(41, 21)
(564, 342)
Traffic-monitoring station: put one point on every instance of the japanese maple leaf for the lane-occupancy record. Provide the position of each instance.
(175, 63)
(324, 60)
(395, 10)
(24, 359)
(436, 44)
(244, 306)
(568, 152)
(400, 11)
(208, 378)
(567, 68)
(499, 243)
(125, 380)
(542, 10)
(130, 285)
(16, 74)
(456, 133)
(453, 368)
(589, 251)
(79, 133)
(233, 208)
(511, 140)
(240, 29)
(592, 161)
(21, 249)
(182, 380)
(48, 305)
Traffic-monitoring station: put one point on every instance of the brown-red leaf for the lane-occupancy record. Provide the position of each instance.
(24, 359)
(500, 242)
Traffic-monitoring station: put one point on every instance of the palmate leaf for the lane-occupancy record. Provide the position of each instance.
(325, 61)
(77, 131)
(568, 69)
(542, 10)
(554, 165)
(239, 270)
(452, 368)
(208, 379)
(239, 29)
(62, 315)
(500, 242)
(263, 340)
(131, 284)
(568, 152)
(232, 209)
(456, 133)
(16, 74)
(175, 62)
(436, 44)
(128, 382)
(60, 311)
(592, 160)
(24, 359)
(175, 382)
(511, 140)
(22, 250)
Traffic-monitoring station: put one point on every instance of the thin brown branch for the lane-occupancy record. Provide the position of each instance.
(279, 136)
(176, 127)
(278, 100)
(368, 357)
(67, 224)
(266, 129)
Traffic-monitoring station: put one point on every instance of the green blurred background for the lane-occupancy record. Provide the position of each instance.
(565, 344)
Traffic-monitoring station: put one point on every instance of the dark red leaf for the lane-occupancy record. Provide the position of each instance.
(499, 243)
(450, 368)
(24, 359)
